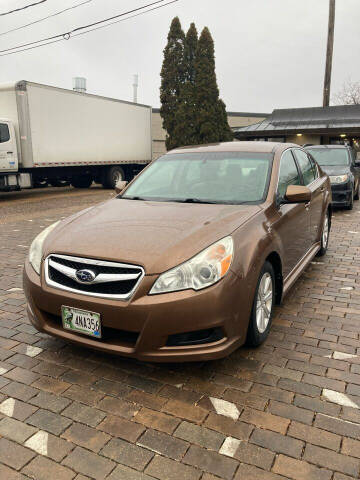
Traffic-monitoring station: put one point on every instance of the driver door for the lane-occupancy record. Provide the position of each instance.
(293, 220)
(8, 150)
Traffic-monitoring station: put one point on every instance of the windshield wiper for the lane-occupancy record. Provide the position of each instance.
(192, 200)
(132, 198)
(183, 200)
(199, 200)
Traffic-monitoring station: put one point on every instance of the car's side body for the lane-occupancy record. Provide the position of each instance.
(281, 231)
(287, 235)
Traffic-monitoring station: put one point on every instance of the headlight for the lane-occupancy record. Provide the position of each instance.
(199, 272)
(339, 178)
(35, 252)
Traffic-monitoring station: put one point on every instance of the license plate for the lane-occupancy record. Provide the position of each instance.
(81, 321)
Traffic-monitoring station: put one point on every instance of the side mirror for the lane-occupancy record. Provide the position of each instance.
(297, 194)
(120, 185)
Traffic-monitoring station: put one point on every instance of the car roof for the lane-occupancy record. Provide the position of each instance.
(256, 147)
(327, 146)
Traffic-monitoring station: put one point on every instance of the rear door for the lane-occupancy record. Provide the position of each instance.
(293, 223)
(8, 152)
(316, 184)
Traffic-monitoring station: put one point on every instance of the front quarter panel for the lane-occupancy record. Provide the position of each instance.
(253, 243)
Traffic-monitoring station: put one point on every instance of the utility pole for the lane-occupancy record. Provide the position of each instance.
(135, 88)
(329, 54)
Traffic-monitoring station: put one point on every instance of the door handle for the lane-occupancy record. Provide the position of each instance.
(8, 153)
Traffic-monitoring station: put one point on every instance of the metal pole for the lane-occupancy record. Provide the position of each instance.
(329, 54)
(135, 86)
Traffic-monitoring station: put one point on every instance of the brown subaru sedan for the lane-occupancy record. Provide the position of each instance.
(188, 261)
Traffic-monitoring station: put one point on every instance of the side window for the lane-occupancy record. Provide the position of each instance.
(288, 173)
(4, 133)
(305, 166)
(314, 166)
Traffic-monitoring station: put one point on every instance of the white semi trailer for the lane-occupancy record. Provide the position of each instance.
(55, 136)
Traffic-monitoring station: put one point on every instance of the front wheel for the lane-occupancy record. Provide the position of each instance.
(356, 196)
(350, 205)
(324, 236)
(263, 305)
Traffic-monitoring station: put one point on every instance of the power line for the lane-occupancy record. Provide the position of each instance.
(22, 8)
(45, 18)
(127, 18)
(63, 36)
(68, 34)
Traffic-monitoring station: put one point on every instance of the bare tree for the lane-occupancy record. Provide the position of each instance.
(349, 94)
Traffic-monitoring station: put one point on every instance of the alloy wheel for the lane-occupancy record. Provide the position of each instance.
(264, 302)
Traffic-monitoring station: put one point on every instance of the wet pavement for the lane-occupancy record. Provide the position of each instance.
(287, 410)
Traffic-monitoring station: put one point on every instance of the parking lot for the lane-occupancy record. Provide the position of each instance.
(287, 410)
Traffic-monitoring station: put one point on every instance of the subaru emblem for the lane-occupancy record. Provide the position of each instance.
(85, 276)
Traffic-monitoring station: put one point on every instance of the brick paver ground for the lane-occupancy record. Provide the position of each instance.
(287, 410)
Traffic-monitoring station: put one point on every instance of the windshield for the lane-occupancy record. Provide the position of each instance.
(330, 156)
(217, 177)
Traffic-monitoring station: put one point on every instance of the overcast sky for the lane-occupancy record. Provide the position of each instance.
(269, 53)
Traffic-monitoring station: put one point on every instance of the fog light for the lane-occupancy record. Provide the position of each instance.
(198, 337)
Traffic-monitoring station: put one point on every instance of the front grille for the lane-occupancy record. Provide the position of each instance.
(340, 187)
(111, 279)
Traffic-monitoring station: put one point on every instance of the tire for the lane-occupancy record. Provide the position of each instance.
(40, 183)
(59, 183)
(259, 326)
(356, 196)
(324, 237)
(350, 205)
(84, 181)
(112, 176)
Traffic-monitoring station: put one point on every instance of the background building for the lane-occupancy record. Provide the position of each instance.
(235, 119)
(318, 125)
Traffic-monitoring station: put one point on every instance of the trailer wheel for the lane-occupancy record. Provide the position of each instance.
(82, 182)
(59, 183)
(39, 183)
(112, 176)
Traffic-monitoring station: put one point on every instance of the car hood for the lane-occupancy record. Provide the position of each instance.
(335, 169)
(156, 235)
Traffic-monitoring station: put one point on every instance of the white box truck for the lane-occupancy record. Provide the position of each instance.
(55, 136)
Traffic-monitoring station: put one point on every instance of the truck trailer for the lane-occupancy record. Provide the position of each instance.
(55, 136)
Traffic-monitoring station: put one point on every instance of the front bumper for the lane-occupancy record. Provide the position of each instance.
(141, 327)
(341, 194)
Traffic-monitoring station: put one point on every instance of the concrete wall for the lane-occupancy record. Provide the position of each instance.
(235, 119)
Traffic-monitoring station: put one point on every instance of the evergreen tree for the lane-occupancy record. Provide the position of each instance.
(191, 41)
(185, 130)
(226, 134)
(212, 124)
(172, 77)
